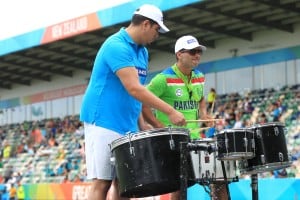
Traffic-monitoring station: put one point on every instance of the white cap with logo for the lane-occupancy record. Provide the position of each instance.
(154, 13)
(187, 42)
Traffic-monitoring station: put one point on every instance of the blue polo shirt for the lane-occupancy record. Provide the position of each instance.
(106, 102)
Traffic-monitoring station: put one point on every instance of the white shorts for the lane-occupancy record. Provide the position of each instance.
(98, 153)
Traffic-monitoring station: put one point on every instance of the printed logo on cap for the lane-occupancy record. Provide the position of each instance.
(191, 41)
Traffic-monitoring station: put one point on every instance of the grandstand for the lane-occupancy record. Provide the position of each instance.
(252, 61)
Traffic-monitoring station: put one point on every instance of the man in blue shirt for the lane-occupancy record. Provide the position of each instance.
(113, 99)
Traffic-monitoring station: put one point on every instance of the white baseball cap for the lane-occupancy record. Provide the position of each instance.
(154, 13)
(187, 42)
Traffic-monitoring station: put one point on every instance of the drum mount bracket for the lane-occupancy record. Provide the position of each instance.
(201, 147)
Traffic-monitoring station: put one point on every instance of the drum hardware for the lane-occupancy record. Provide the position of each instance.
(225, 179)
(276, 131)
(201, 147)
(262, 158)
(131, 148)
(171, 141)
(258, 134)
(253, 145)
(245, 143)
(226, 143)
(280, 155)
(254, 186)
(183, 170)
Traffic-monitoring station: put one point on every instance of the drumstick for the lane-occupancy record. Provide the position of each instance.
(202, 120)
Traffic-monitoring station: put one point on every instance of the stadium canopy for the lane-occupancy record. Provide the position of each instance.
(72, 45)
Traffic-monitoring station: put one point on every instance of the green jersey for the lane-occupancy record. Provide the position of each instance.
(174, 88)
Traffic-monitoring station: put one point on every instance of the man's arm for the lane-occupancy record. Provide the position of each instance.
(150, 118)
(143, 125)
(130, 80)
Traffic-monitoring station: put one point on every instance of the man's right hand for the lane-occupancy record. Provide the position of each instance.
(177, 118)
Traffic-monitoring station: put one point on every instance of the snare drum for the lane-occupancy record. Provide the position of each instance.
(208, 169)
(270, 149)
(235, 144)
(148, 163)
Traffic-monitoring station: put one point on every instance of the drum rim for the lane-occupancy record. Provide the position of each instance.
(146, 134)
(265, 167)
(268, 124)
(204, 140)
(232, 130)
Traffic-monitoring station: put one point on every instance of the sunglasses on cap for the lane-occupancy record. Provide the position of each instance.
(192, 52)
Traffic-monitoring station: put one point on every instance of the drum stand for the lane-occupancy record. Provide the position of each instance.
(225, 178)
(183, 170)
(254, 186)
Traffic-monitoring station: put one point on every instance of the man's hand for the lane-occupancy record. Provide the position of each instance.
(177, 118)
(208, 123)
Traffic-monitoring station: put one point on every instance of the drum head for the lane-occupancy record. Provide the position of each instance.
(149, 133)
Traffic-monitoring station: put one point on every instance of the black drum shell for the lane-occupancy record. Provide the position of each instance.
(239, 143)
(153, 168)
(270, 142)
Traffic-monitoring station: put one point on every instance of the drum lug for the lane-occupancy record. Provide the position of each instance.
(171, 141)
(276, 131)
(131, 149)
(253, 143)
(245, 143)
(258, 132)
(262, 158)
(172, 144)
(226, 144)
(280, 155)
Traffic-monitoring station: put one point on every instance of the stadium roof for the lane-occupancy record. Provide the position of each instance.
(209, 21)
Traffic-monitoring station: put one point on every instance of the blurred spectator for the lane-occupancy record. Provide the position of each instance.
(1, 162)
(211, 98)
(248, 108)
(1, 177)
(61, 153)
(12, 192)
(6, 150)
(239, 122)
(21, 148)
(36, 135)
(281, 173)
(262, 119)
(75, 165)
(52, 141)
(48, 170)
(276, 113)
(61, 170)
(8, 171)
(20, 191)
